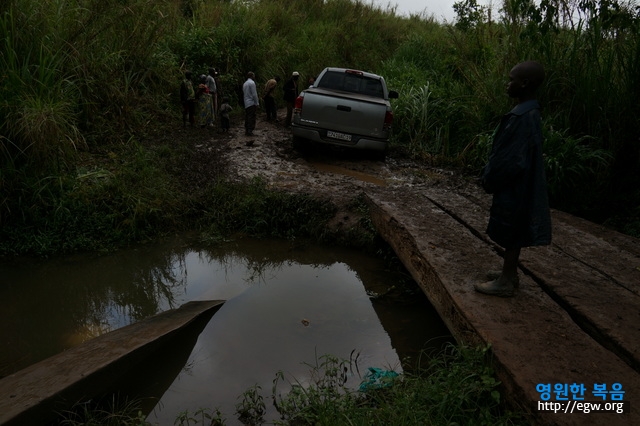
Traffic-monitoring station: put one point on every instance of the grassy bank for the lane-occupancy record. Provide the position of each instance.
(455, 387)
(162, 188)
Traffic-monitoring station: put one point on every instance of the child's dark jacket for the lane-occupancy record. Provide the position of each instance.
(515, 176)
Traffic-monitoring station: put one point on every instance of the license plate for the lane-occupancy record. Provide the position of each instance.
(341, 136)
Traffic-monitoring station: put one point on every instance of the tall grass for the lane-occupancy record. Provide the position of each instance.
(37, 106)
(571, 165)
(75, 74)
(592, 74)
(90, 76)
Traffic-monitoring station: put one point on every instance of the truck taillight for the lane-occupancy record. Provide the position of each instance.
(388, 120)
(297, 105)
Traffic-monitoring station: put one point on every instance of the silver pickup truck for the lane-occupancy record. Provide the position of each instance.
(344, 107)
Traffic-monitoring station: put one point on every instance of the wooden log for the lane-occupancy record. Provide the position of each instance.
(34, 395)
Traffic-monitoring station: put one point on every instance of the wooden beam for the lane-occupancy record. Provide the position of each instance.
(34, 394)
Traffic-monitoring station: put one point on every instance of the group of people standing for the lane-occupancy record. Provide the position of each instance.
(251, 100)
(201, 104)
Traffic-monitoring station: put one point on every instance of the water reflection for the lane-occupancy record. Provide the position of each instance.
(49, 306)
(287, 305)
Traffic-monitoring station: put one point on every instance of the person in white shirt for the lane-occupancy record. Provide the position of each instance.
(213, 90)
(251, 103)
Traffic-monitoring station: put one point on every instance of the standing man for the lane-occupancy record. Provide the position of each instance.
(290, 95)
(269, 100)
(188, 100)
(216, 78)
(213, 89)
(519, 215)
(251, 103)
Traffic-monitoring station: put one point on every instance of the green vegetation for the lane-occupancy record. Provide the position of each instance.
(87, 86)
(455, 387)
(111, 412)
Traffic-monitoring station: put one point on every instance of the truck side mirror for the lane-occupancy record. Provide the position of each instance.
(393, 94)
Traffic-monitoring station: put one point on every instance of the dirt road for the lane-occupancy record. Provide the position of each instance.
(337, 174)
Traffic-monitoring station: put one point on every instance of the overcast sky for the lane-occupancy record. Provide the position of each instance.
(440, 9)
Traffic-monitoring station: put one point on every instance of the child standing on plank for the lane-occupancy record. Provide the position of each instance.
(519, 215)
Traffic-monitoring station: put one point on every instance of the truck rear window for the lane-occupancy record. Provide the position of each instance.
(353, 83)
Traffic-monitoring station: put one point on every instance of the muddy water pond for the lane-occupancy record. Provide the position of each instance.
(287, 305)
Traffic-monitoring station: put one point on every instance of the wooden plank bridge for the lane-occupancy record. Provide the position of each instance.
(575, 318)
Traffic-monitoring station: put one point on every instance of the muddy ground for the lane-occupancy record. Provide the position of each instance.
(336, 174)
